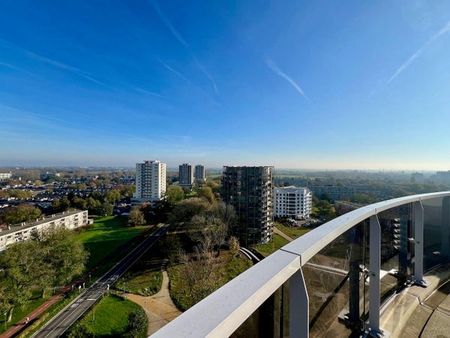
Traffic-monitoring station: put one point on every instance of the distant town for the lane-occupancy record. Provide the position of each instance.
(153, 231)
(269, 194)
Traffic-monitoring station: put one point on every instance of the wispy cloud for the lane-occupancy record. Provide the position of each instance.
(418, 52)
(274, 67)
(149, 92)
(57, 64)
(177, 35)
(10, 66)
(168, 24)
(176, 72)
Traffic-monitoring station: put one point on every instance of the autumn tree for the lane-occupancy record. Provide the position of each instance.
(136, 216)
(206, 193)
(174, 194)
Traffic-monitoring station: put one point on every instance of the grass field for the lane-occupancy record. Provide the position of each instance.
(293, 232)
(144, 283)
(266, 249)
(109, 317)
(105, 236)
(20, 312)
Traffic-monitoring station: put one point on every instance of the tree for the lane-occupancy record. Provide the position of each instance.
(233, 245)
(136, 217)
(186, 209)
(209, 231)
(50, 259)
(61, 204)
(22, 271)
(80, 203)
(64, 253)
(21, 213)
(105, 209)
(112, 196)
(137, 325)
(79, 331)
(93, 205)
(206, 193)
(174, 194)
(198, 274)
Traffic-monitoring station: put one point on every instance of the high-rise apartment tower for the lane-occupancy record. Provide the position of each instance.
(250, 191)
(200, 174)
(150, 181)
(185, 175)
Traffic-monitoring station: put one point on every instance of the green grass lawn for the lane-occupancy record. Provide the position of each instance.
(105, 236)
(293, 232)
(20, 312)
(144, 283)
(109, 317)
(276, 243)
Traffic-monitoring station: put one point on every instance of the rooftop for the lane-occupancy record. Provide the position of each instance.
(26, 225)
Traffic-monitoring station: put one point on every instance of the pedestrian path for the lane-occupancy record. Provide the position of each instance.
(159, 308)
(282, 234)
(15, 329)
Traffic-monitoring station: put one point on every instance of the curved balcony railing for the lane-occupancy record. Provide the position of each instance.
(346, 267)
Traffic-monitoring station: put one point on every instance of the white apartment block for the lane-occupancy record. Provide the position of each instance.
(292, 202)
(150, 181)
(22, 232)
(5, 176)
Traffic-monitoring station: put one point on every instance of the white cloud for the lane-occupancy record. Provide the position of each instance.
(274, 67)
(418, 52)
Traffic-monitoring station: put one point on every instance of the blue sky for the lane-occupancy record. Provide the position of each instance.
(295, 84)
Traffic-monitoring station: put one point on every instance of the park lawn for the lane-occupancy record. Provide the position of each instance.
(268, 248)
(227, 268)
(20, 312)
(293, 232)
(144, 283)
(105, 236)
(109, 317)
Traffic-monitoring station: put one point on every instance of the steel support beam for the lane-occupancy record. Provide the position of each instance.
(374, 272)
(298, 306)
(418, 219)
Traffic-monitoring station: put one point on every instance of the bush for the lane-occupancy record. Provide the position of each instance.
(137, 325)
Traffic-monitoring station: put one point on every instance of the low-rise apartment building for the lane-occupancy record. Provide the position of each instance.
(292, 202)
(22, 232)
(5, 176)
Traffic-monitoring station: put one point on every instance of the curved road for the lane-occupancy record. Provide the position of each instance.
(72, 312)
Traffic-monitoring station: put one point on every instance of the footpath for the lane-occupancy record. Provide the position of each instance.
(159, 308)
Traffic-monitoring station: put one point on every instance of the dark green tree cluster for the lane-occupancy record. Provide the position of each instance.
(19, 214)
(97, 203)
(50, 259)
(322, 208)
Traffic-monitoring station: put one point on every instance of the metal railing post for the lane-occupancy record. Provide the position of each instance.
(374, 273)
(298, 306)
(445, 227)
(418, 243)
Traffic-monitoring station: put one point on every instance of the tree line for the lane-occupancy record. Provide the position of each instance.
(34, 268)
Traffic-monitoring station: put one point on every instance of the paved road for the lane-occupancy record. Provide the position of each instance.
(70, 314)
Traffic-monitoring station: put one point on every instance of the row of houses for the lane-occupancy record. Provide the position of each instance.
(21, 232)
